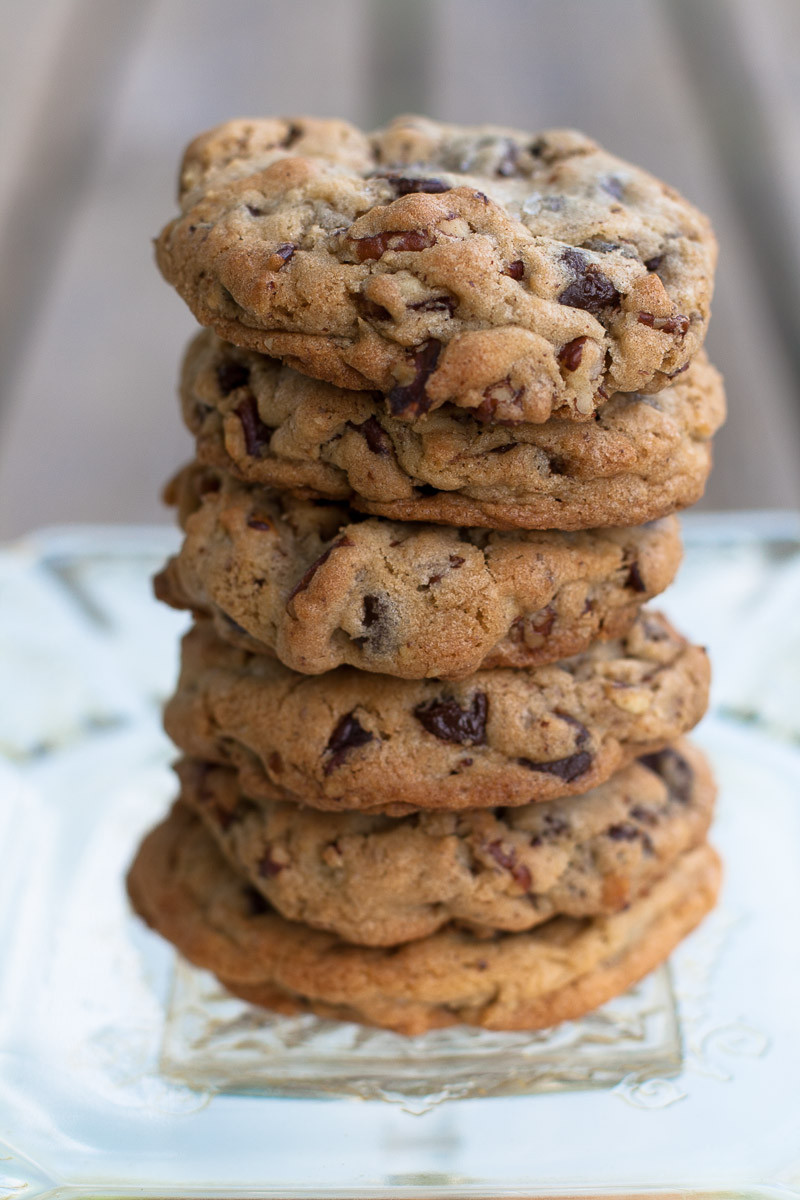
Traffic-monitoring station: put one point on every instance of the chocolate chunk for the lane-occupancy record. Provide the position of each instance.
(267, 866)
(375, 436)
(674, 770)
(347, 736)
(645, 816)
(260, 523)
(515, 269)
(256, 434)
(374, 609)
(677, 324)
(624, 832)
(306, 578)
(634, 579)
(280, 256)
(509, 161)
(590, 290)
(446, 304)
(410, 399)
(456, 561)
(655, 262)
(570, 355)
(398, 239)
(232, 375)
(564, 768)
(404, 185)
(507, 859)
(293, 134)
(446, 720)
(256, 903)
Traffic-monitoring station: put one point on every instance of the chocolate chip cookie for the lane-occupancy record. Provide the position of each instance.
(314, 585)
(181, 885)
(353, 740)
(515, 275)
(377, 880)
(641, 458)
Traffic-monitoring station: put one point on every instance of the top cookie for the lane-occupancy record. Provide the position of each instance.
(515, 275)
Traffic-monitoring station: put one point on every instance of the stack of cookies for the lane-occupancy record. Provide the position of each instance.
(452, 393)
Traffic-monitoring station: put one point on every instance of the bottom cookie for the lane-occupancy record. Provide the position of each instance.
(181, 885)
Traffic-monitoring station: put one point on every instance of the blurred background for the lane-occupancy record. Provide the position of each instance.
(98, 98)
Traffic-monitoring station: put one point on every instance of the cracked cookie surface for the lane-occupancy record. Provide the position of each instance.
(516, 275)
(181, 885)
(639, 459)
(351, 739)
(378, 880)
(319, 586)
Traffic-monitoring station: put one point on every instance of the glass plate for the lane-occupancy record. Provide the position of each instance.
(123, 1070)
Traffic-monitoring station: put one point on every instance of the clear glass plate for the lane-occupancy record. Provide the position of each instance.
(123, 1070)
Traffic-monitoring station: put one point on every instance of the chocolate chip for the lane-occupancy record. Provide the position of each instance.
(564, 768)
(375, 436)
(280, 256)
(267, 866)
(507, 859)
(348, 735)
(570, 355)
(446, 304)
(676, 324)
(557, 465)
(456, 561)
(509, 161)
(645, 816)
(256, 904)
(374, 609)
(624, 832)
(404, 185)
(446, 720)
(591, 290)
(398, 239)
(515, 269)
(256, 434)
(674, 770)
(293, 134)
(260, 523)
(410, 398)
(232, 375)
(634, 579)
(306, 578)
(654, 263)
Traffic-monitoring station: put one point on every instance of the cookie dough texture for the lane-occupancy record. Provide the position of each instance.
(377, 880)
(354, 740)
(318, 588)
(639, 459)
(181, 885)
(516, 275)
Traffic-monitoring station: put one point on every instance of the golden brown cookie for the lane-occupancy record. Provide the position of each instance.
(353, 740)
(377, 880)
(512, 274)
(319, 586)
(181, 885)
(641, 458)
